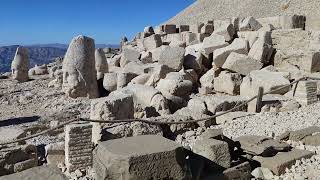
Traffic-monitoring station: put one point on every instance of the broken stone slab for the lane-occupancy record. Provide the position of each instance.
(241, 64)
(239, 45)
(215, 151)
(226, 30)
(278, 163)
(313, 140)
(181, 88)
(262, 173)
(213, 42)
(193, 60)
(156, 73)
(261, 51)
(172, 57)
(79, 72)
(123, 78)
(261, 145)
(20, 65)
(141, 157)
(229, 117)
(188, 112)
(41, 172)
(38, 70)
(228, 83)
(250, 24)
(12, 133)
(268, 80)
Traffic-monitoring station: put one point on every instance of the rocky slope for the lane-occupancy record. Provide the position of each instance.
(204, 10)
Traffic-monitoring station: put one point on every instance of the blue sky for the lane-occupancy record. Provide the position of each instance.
(57, 21)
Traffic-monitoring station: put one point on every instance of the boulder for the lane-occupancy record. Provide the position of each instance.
(213, 42)
(172, 57)
(193, 60)
(146, 57)
(239, 45)
(268, 80)
(250, 24)
(123, 78)
(228, 83)
(241, 64)
(163, 159)
(169, 28)
(226, 30)
(283, 160)
(79, 73)
(38, 70)
(20, 65)
(101, 63)
(156, 73)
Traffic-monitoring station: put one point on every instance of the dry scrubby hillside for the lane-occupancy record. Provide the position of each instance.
(203, 10)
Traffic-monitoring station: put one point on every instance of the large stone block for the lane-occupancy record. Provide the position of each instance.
(250, 24)
(239, 45)
(172, 57)
(169, 28)
(278, 163)
(141, 157)
(128, 55)
(261, 51)
(207, 80)
(214, 150)
(226, 30)
(306, 92)
(152, 42)
(268, 80)
(211, 43)
(241, 64)
(228, 83)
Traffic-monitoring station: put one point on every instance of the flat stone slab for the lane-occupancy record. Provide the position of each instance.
(262, 146)
(278, 163)
(140, 157)
(37, 173)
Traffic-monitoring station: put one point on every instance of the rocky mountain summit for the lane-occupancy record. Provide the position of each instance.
(175, 102)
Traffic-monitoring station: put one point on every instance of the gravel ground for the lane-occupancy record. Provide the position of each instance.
(204, 10)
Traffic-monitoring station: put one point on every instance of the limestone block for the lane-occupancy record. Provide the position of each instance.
(268, 80)
(241, 64)
(228, 83)
(110, 81)
(306, 92)
(193, 60)
(214, 150)
(196, 28)
(79, 73)
(169, 28)
(183, 28)
(211, 43)
(261, 51)
(226, 30)
(172, 57)
(148, 31)
(141, 157)
(55, 153)
(292, 22)
(207, 80)
(250, 24)
(123, 78)
(152, 42)
(239, 45)
(146, 57)
(207, 28)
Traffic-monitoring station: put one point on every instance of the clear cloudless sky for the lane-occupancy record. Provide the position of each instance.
(57, 21)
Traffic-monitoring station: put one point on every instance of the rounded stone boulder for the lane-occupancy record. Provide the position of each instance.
(79, 73)
(101, 63)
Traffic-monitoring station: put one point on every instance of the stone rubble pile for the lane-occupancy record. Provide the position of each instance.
(175, 73)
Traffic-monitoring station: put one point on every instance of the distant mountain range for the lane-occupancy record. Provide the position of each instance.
(38, 53)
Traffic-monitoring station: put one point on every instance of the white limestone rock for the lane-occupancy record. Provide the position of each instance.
(241, 64)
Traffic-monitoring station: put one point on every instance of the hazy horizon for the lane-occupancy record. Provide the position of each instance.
(50, 22)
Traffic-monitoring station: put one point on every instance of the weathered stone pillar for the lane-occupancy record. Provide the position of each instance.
(79, 73)
(78, 146)
(20, 65)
